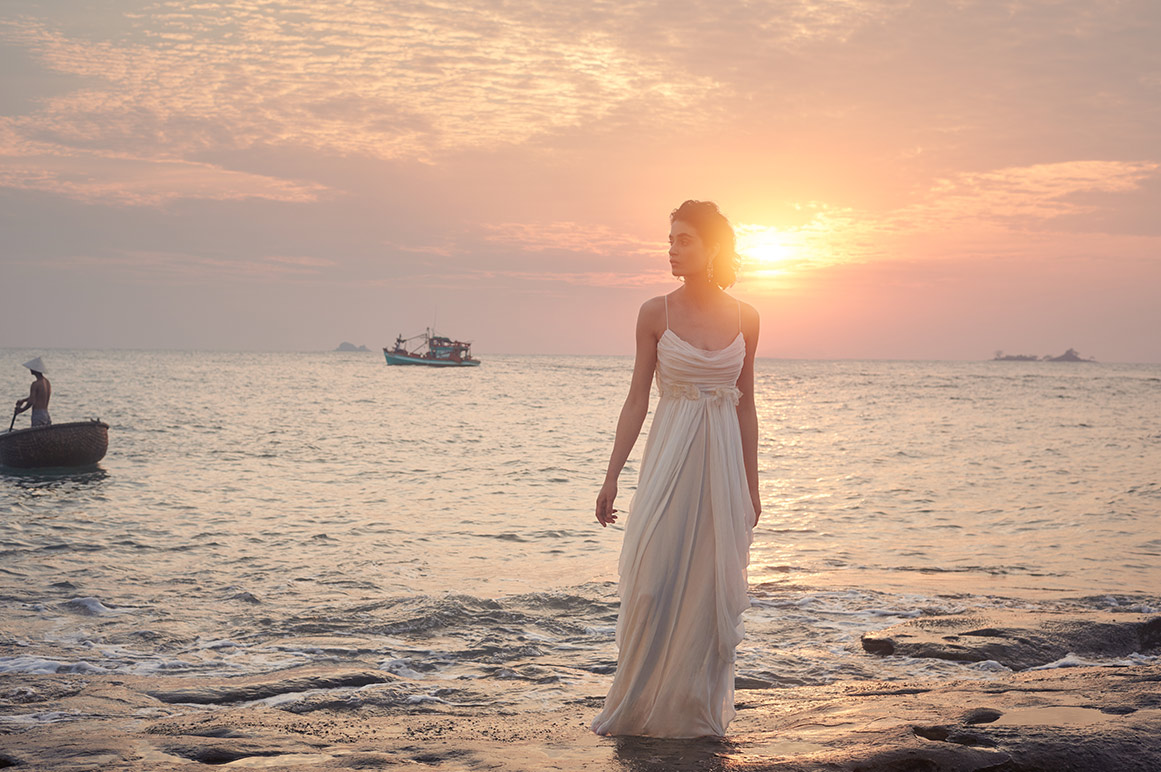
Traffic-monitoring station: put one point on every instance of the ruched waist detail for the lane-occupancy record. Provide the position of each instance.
(679, 390)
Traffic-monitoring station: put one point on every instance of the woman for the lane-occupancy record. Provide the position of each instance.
(683, 561)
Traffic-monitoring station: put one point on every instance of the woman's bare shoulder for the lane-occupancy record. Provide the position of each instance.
(653, 309)
(651, 318)
(749, 313)
(749, 319)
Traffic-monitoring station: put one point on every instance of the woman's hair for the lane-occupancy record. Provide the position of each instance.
(712, 228)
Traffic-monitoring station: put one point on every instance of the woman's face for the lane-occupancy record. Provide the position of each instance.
(688, 255)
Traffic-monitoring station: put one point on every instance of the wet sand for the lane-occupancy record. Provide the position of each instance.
(1076, 718)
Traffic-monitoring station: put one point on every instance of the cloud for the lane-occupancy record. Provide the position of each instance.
(551, 280)
(176, 268)
(1017, 211)
(424, 81)
(584, 238)
(1029, 196)
(130, 181)
(302, 263)
(384, 80)
(110, 177)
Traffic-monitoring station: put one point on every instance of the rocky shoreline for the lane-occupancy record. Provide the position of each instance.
(1067, 717)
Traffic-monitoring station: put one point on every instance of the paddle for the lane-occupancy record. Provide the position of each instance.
(15, 413)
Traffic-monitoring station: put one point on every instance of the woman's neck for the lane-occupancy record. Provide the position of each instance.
(701, 292)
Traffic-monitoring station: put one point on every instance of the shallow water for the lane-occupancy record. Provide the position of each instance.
(259, 511)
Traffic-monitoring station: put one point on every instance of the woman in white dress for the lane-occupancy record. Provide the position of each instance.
(687, 539)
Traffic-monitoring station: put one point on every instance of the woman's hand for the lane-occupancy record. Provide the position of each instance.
(606, 515)
(757, 508)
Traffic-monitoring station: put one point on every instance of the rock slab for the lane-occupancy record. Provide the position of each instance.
(1020, 640)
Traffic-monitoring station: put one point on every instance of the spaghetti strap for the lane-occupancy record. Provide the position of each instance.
(739, 316)
(667, 312)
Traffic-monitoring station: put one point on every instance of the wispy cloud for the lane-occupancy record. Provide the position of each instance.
(367, 78)
(538, 282)
(176, 268)
(1012, 211)
(114, 179)
(583, 238)
(1029, 196)
(424, 81)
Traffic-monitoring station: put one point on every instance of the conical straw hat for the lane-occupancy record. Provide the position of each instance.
(35, 365)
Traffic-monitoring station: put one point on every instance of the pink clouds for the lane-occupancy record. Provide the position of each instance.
(118, 180)
(178, 269)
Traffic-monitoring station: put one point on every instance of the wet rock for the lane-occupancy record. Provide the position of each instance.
(40, 691)
(366, 761)
(218, 732)
(248, 690)
(1019, 640)
(1081, 719)
(981, 716)
(1036, 721)
(215, 753)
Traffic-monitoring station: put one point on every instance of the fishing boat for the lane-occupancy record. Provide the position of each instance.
(431, 350)
(80, 443)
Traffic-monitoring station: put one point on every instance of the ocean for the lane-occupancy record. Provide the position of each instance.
(261, 511)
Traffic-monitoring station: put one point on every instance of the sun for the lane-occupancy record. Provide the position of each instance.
(766, 250)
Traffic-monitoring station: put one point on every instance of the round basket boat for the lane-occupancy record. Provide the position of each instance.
(80, 443)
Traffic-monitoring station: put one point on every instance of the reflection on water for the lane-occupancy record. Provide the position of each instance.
(63, 480)
(651, 754)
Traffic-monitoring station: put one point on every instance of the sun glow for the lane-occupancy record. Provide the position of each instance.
(766, 251)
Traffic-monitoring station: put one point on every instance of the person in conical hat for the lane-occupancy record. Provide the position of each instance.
(38, 395)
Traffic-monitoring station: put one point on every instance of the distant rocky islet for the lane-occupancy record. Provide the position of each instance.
(1072, 355)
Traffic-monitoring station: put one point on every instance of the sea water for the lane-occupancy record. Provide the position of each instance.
(262, 511)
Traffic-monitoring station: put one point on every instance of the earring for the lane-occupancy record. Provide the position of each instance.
(709, 271)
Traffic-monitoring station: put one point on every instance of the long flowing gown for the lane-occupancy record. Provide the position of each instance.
(686, 548)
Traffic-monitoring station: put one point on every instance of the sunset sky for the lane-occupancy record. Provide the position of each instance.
(923, 179)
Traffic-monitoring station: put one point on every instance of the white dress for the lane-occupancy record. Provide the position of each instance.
(686, 547)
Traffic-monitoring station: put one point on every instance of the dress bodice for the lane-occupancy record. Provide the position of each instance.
(685, 371)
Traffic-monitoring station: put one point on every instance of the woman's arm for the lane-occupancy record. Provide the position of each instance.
(747, 412)
(633, 411)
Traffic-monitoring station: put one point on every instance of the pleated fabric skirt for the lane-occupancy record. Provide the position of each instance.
(683, 581)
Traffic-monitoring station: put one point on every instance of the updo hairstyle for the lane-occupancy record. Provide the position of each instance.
(712, 228)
